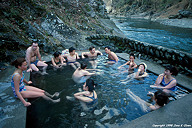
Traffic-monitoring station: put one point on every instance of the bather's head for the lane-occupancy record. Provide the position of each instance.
(171, 70)
(72, 50)
(142, 67)
(56, 54)
(92, 49)
(107, 49)
(161, 98)
(131, 57)
(83, 66)
(20, 63)
(89, 85)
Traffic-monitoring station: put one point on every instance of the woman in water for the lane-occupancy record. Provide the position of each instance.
(131, 63)
(159, 97)
(58, 60)
(88, 96)
(166, 81)
(141, 73)
(20, 90)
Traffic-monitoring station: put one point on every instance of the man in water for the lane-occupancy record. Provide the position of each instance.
(92, 55)
(31, 56)
(111, 56)
(81, 74)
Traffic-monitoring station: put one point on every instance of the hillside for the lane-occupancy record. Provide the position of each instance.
(150, 8)
(54, 24)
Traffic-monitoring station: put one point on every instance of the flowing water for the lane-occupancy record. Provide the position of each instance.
(114, 106)
(156, 33)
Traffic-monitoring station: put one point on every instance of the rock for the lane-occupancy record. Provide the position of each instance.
(185, 13)
(159, 62)
(173, 16)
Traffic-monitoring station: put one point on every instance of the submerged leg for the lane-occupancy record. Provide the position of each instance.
(56, 94)
(72, 65)
(44, 70)
(33, 94)
(49, 99)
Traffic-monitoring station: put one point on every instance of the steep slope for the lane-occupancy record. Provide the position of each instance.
(150, 8)
(55, 25)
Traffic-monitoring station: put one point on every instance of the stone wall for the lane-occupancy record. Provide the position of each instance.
(161, 55)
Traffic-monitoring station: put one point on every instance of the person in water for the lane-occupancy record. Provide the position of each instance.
(72, 58)
(81, 74)
(31, 57)
(92, 55)
(88, 96)
(160, 98)
(166, 81)
(58, 61)
(131, 63)
(21, 91)
(141, 73)
(111, 56)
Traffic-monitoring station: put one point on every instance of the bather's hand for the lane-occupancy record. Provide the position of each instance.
(26, 104)
(29, 82)
(153, 86)
(29, 70)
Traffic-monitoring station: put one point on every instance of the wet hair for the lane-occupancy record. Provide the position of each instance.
(56, 54)
(83, 65)
(18, 62)
(92, 47)
(161, 98)
(172, 70)
(35, 42)
(108, 47)
(131, 54)
(86, 56)
(71, 49)
(90, 83)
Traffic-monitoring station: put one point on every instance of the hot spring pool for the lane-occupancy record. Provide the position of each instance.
(114, 107)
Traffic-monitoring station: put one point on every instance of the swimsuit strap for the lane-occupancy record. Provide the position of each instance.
(91, 97)
(169, 81)
(14, 75)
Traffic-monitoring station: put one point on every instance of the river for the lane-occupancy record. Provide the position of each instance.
(156, 33)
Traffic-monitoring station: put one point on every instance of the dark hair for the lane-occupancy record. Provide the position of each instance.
(18, 62)
(86, 56)
(131, 54)
(56, 54)
(161, 98)
(108, 47)
(83, 65)
(141, 64)
(71, 49)
(90, 83)
(92, 47)
(172, 70)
